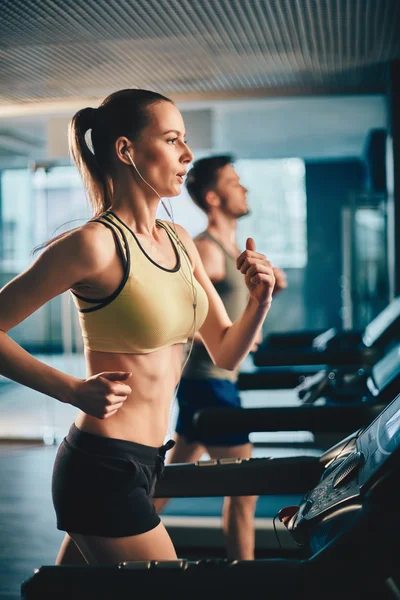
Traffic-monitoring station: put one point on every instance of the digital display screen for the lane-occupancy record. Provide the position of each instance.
(390, 436)
(382, 438)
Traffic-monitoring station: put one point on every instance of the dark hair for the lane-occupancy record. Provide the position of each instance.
(123, 113)
(203, 177)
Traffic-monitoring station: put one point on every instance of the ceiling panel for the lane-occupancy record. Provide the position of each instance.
(57, 49)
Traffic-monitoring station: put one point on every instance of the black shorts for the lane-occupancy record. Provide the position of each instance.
(103, 486)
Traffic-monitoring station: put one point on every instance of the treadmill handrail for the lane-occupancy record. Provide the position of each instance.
(321, 419)
(247, 477)
(387, 318)
(320, 342)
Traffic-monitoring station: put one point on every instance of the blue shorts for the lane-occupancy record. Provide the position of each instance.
(195, 394)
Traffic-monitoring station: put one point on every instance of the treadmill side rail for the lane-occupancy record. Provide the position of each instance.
(251, 477)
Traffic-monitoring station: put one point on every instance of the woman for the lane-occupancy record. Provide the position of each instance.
(141, 292)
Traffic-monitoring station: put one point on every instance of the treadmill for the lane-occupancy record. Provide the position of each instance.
(334, 409)
(195, 525)
(346, 529)
(330, 348)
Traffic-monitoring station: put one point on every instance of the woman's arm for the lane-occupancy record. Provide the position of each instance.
(62, 265)
(229, 343)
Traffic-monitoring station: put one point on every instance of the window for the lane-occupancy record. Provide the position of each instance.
(35, 207)
(16, 231)
(277, 202)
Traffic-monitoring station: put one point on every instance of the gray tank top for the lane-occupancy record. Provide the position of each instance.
(233, 292)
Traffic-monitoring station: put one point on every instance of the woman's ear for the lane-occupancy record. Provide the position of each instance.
(124, 149)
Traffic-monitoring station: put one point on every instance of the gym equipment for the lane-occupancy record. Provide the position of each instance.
(331, 347)
(354, 410)
(347, 528)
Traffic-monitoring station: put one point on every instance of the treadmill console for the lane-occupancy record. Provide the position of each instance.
(379, 328)
(346, 481)
(342, 385)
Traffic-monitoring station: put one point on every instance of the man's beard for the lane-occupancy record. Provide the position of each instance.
(239, 215)
(236, 215)
(244, 214)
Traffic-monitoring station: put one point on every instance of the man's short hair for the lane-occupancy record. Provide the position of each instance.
(203, 177)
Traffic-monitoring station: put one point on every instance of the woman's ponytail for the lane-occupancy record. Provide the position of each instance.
(96, 182)
(123, 113)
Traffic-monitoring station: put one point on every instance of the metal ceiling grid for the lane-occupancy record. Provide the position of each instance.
(58, 49)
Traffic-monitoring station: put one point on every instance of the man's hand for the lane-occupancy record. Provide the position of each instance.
(258, 274)
(280, 280)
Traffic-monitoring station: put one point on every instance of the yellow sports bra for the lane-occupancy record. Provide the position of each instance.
(153, 307)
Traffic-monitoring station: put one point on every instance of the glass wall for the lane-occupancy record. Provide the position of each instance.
(365, 279)
(16, 220)
(35, 206)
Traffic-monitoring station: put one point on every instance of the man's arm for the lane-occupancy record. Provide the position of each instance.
(212, 258)
(214, 263)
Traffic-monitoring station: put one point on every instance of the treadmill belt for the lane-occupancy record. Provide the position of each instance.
(267, 506)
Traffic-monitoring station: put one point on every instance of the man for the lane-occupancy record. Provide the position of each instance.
(215, 187)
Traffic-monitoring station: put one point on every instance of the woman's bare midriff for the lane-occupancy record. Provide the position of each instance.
(144, 416)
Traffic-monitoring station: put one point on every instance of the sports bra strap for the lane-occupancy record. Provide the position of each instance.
(123, 251)
(175, 236)
(125, 257)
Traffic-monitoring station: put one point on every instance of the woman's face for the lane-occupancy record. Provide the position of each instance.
(161, 154)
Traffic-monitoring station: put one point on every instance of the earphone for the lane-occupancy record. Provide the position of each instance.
(179, 247)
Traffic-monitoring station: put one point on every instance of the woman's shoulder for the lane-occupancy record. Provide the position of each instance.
(92, 233)
(89, 243)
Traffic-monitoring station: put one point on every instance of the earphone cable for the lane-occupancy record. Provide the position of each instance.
(182, 252)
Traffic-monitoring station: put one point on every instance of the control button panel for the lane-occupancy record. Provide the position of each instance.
(338, 486)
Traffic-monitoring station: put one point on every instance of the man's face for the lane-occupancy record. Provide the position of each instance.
(232, 193)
